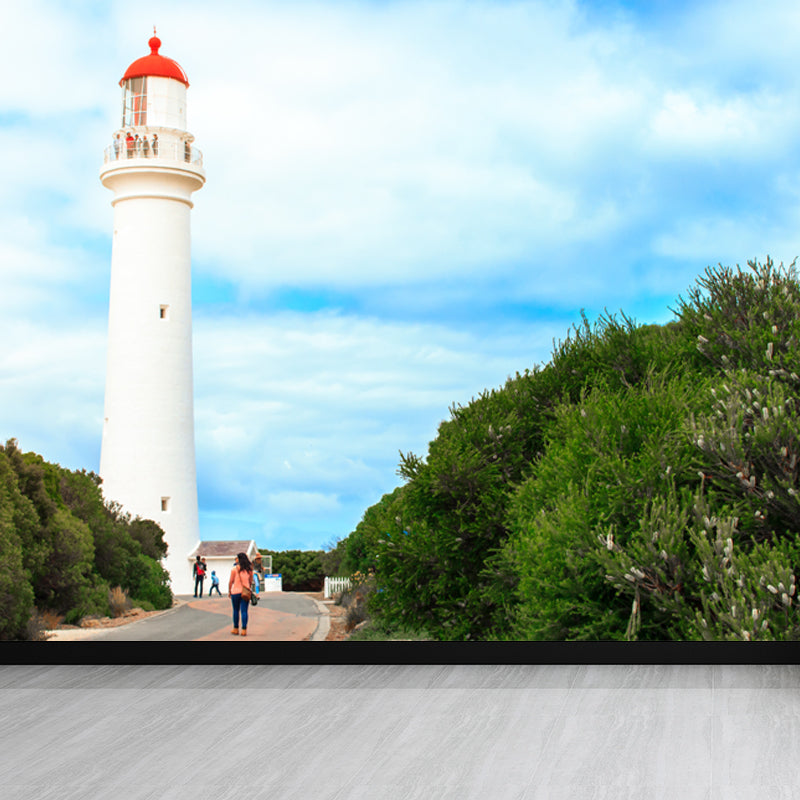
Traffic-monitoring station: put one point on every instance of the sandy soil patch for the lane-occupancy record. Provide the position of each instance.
(90, 626)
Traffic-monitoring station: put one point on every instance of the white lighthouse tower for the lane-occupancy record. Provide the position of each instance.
(147, 461)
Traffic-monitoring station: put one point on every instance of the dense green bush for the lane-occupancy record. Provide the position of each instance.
(301, 570)
(16, 592)
(62, 546)
(451, 515)
(332, 558)
(643, 484)
(147, 582)
(127, 552)
(362, 547)
(448, 569)
(608, 458)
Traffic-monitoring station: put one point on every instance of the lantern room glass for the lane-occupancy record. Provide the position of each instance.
(134, 102)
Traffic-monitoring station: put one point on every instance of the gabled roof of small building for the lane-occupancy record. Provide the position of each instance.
(223, 549)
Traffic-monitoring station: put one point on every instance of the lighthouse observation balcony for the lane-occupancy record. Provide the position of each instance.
(161, 150)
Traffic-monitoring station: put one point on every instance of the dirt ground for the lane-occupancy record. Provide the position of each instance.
(89, 624)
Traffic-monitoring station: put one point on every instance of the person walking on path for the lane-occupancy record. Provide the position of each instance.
(239, 591)
(199, 572)
(214, 584)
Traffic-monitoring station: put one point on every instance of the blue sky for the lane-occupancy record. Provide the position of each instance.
(406, 203)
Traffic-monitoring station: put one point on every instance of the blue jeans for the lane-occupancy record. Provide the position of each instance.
(239, 604)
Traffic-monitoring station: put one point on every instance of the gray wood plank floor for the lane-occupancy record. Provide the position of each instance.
(353, 732)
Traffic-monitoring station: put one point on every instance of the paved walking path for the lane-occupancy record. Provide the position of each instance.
(279, 616)
(266, 622)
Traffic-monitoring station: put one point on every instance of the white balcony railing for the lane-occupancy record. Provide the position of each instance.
(148, 147)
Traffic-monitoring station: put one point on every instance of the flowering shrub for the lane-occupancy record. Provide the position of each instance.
(736, 539)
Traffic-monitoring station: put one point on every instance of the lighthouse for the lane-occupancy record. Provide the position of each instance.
(147, 460)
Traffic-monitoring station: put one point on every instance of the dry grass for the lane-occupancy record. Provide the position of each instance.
(119, 601)
(354, 601)
(40, 622)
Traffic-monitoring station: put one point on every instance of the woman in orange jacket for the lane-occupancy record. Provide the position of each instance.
(239, 591)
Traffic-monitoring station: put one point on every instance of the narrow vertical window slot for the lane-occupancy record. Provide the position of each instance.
(163, 312)
(165, 503)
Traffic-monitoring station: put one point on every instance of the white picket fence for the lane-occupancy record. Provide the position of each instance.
(334, 585)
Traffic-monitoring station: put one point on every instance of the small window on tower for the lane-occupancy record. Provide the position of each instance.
(163, 312)
(134, 102)
(165, 503)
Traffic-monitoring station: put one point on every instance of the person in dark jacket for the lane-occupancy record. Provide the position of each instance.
(199, 570)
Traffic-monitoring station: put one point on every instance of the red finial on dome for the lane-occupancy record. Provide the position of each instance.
(154, 43)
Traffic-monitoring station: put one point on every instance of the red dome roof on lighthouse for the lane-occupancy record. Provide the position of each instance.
(155, 64)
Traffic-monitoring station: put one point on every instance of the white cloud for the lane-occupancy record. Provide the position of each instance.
(303, 504)
(708, 126)
(320, 404)
(51, 388)
(44, 279)
(54, 58)
(439, 156)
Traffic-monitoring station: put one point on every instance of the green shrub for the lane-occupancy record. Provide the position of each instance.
(713, 560)
(16, 592)
(746, 319)
(608, 459)
(74, 545)
(749, 591)
(496, 531)
(75, 615)
(148, 582)
(67, 569)
(361, 548)
(450, 517)
(375, 631)
(301, 570)
(150, 537)
(446, 560)
(332, 558)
